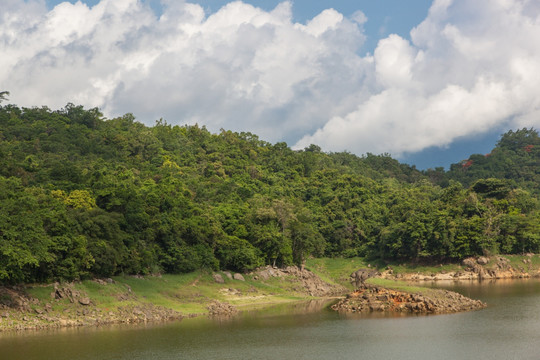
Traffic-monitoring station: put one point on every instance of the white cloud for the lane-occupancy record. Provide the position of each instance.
(241, 68)
(469, 66)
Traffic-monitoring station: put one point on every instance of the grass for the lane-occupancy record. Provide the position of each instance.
(516, 261)
(337, 270)
(424, 269)
(191, 293)
(186, 293)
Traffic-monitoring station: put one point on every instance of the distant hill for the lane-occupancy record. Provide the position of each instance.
(515, 158)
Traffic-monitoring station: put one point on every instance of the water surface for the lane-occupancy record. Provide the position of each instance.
(508, 329)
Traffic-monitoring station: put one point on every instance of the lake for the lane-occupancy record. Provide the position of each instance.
(508, 329)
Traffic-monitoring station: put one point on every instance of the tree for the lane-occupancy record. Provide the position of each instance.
(3, 95)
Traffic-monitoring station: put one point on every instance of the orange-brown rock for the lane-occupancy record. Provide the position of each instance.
(372, 298)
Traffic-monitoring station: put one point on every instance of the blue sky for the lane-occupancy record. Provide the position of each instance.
(429, 82)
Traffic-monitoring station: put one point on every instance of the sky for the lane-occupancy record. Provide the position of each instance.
(429, 82)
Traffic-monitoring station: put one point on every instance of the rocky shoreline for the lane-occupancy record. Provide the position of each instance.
(473, 268)
(68, 307)
(22, 312)
(371, 298)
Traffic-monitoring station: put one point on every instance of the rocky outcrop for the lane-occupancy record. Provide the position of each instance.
(371, 298)
(361, 275)
(83, 315)
(68, 291)
(15, 298)
(218, 308)
(309, 283)
(19, 311)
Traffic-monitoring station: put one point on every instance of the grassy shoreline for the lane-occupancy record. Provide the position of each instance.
(159, 298)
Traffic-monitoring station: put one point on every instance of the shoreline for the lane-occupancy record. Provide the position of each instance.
(154, 299)
(474, 268)
(159, 299)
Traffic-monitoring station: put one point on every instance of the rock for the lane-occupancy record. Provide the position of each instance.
(84, 301)
(263, 274)
(371, 298)
(218, 308)
(361, 275)
(482, 260)
(238, 276)
(469, 262)
(310, 284)
(228, 274)
(218, 278)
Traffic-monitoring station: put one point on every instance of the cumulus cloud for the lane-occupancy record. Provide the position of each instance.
(240, 68)
(469, 66)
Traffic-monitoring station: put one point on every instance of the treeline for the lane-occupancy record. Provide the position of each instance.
(515, 158)
(83, 196)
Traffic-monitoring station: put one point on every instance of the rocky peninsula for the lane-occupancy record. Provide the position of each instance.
(372, 298)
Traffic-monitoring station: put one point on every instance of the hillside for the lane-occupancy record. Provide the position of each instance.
(84, 196)
(515, 158)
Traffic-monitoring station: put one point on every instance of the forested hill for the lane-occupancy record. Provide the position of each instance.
(515, 158)
(82, 196)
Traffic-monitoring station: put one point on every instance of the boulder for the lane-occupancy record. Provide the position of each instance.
(218, 278)
(361, 275)
(482, 260)
(228, 274)
(238, 276)
(469, 262)
(84, 301)
(264, 274)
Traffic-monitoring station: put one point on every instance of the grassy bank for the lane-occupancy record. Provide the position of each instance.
(338, 270)
(185, 293)
(94, 302)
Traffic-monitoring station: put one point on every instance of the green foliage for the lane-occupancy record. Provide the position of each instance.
(515, 159)
(3, 95)
(83, 196)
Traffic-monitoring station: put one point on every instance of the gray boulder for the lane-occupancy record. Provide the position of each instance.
(361, 275)
(238, 276)
(482, 260)
(469, 263)
(218, 278)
